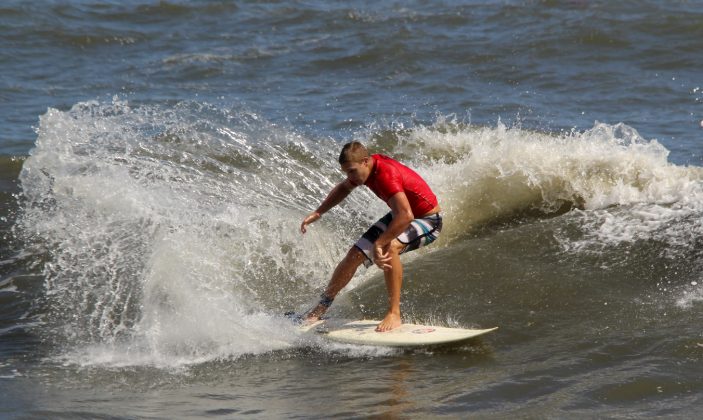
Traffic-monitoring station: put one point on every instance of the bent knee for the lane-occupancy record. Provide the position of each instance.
(355, 256)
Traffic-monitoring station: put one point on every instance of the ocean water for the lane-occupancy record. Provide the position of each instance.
(157, 158)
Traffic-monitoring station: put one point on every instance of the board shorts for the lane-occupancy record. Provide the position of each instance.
(420, 232)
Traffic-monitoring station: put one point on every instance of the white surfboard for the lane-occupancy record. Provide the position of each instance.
(408, 335)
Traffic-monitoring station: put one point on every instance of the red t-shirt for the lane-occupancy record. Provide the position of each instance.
(390, 177)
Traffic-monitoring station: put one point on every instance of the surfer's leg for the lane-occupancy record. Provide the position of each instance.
(394, 281)
(342, 275)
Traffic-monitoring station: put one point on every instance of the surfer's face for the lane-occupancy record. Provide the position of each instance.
(358, 172)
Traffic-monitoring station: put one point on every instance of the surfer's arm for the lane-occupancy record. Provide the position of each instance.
(338, 193)
(402, 216)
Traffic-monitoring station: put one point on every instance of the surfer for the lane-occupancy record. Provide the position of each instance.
(414, 221)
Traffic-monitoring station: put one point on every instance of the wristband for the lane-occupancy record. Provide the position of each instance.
(326, 301)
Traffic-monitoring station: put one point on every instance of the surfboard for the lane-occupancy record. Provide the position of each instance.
(364, 332)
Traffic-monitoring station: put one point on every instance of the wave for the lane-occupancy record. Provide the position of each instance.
(485, 174)
(172, 231)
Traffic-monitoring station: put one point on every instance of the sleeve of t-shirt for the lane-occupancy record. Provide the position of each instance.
(392, 182)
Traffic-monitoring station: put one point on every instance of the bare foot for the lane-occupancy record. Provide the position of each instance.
(314, 315)
(391, 321)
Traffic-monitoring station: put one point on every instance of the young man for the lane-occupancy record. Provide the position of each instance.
(413, 221)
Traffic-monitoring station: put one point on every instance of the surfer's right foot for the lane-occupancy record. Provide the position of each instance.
(390, 322)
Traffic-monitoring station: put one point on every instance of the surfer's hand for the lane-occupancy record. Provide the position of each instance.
(312, 217)
(380, 258)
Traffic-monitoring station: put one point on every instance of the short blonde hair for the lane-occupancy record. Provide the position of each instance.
(353, 152)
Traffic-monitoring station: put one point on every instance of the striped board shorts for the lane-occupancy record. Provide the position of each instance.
(421, 232)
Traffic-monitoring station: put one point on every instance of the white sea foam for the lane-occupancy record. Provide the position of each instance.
(624, 185)
(174, 233)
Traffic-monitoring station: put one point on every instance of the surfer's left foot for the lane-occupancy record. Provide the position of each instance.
(314, 315)
(390, 322)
